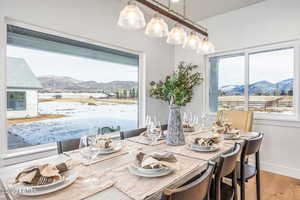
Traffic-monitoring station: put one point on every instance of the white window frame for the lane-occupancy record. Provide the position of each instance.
(246, 51)
(39, 151)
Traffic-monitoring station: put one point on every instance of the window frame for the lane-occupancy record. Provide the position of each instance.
(246, 51)
(19, 154)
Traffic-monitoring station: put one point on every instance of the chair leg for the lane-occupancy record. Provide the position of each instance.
(242, 185)
(234, 184)
(257, 176)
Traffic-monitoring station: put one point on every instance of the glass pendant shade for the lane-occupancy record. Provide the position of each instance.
(206, 46)
(177, 35)
(192, 41)
(157, 27)
(131, 17)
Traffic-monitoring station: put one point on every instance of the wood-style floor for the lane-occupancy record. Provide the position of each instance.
(274, 187)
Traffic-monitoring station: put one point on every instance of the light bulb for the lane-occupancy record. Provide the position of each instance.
(131, 17)
(157, 27)
(177, 35)
(192, 41)
(175, 1)
(206, 46)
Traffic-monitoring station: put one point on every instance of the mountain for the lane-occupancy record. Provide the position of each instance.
(64, 83)
(260, 87)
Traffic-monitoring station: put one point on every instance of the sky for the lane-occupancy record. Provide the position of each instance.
(271, 66)
(44, 63)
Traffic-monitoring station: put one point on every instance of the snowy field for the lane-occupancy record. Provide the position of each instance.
(82, 119)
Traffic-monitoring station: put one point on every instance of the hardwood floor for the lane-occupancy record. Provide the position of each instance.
(274, 187)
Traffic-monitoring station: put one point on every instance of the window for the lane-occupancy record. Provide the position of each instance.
(227, 82)
(257, 80)
(16, 101)
(73, 88)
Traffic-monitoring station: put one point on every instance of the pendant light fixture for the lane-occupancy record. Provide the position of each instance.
(131, 17)
(157, 27)
(192, 41)
(177, 35)
(206, 46)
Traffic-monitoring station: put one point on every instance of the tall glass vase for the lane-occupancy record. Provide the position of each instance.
(175, 134)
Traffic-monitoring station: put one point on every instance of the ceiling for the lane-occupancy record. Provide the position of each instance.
(200, 9)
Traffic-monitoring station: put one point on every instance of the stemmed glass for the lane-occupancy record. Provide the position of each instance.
(153, 133)
(89, 152)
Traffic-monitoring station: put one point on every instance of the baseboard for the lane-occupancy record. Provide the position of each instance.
(282, 170)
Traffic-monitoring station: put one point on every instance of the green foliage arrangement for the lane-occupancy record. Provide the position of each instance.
(177, 88)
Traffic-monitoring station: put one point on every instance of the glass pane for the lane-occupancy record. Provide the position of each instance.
(227, 83)
(16, 101)
(67, 97)
(271, 75)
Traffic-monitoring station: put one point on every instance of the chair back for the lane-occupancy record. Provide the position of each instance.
(67, 145)
(227, 162)
(252, 145)
(164, 127)
(242, 120)
(197, 189)
(131, 133)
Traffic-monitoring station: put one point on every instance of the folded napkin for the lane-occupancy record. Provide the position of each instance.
(206, 141)
(155, 160)
(103, 142)
(41, 174)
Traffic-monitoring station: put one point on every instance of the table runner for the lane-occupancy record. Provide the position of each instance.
(144, 140)
(76, 191)
(185, 151)
(140, 188)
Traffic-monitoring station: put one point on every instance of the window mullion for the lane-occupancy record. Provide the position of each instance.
(246, 93)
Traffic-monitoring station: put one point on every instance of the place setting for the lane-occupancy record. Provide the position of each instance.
(43, 179)
(98, 148)
(153, 135)
(152, 165)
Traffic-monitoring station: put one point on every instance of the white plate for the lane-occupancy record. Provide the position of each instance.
(198, 148)
(134, 170)
(231, 137)
(114, 149)
(45, 186)
(70, 177)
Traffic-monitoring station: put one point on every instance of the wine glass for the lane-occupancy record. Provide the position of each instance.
(89, 152)
(148, 123)
(153, 135)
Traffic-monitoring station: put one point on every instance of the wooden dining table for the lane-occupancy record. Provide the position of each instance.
(116, 182)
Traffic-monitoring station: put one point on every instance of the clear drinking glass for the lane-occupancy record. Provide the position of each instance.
(89, 152)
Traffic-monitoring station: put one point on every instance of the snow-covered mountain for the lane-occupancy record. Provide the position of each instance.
(260, 87)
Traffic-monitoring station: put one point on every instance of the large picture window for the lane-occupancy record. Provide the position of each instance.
(259, 80)
(73, 88)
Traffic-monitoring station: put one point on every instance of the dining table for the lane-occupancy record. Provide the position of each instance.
(116, 181)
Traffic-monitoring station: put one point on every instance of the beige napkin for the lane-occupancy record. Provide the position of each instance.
(206, 141)
(155, 160)
(41, 174)
(103, 142)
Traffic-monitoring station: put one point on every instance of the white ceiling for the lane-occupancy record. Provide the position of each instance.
(200, 9)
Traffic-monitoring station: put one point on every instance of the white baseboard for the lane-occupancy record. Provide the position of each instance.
(279, 169)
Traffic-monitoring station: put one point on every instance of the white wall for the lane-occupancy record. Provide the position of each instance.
(31, 105)
(268, 22)
(189, 56)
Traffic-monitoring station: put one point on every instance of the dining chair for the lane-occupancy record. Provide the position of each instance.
(245, 171)
(67, 145)
(164, 127)
(226, 165)
(131, 133)
(242, 120)
(197, 188)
